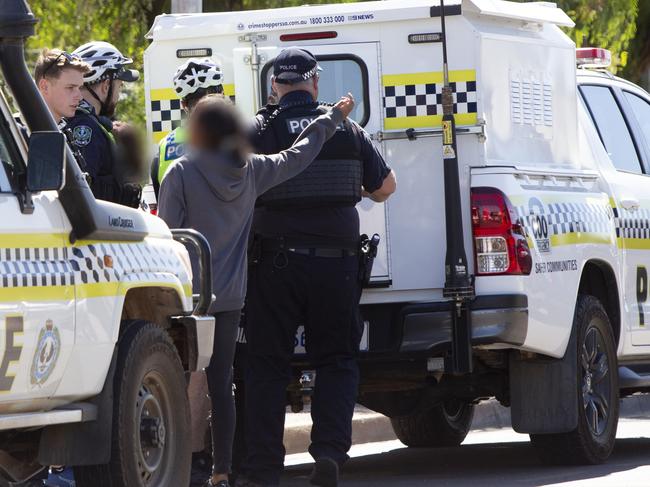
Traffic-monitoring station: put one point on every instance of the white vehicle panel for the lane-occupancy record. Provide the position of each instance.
(37, 322)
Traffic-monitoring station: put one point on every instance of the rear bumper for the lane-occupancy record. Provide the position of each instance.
(499, 318)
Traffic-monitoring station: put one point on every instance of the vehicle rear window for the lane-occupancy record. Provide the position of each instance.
(641, 109)
(612, 128)
(340, 75)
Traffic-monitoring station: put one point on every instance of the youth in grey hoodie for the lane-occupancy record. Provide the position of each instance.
(213, 193)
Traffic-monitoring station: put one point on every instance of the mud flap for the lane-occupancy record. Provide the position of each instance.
(82, 444)
(543, 392)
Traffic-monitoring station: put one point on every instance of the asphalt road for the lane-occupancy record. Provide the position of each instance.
(487, 458)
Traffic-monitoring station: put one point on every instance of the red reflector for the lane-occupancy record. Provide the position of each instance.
(308, 36)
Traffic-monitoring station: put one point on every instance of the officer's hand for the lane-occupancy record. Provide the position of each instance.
(346, 105)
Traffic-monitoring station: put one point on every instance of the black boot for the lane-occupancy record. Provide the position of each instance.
(201, 468)
(325, 473)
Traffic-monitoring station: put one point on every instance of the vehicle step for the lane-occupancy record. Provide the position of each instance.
(72, 413)
(633, 379)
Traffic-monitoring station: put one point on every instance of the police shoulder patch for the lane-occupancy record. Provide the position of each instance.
(82, 135)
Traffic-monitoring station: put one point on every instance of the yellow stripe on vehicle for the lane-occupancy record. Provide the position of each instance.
(95, 290)
(581, 239)
(170, 94)
(427, 121)
(427, 77)
(633, 243)
(37, 293)
(32, 240)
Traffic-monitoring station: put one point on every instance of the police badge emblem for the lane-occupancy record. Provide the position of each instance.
(81, 135)
(47, 353)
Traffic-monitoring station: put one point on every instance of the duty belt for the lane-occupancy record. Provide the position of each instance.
(335, 250)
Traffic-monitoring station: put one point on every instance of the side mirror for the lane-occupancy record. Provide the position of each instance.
(46, 161)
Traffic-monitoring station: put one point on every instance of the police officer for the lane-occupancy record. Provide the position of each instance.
(193, 80)
(307, 236)
(92, 126)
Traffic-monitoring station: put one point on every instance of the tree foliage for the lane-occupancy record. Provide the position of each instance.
(67, 24)
(639, 58)
(603, 23)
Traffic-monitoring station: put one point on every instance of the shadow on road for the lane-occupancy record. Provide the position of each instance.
(500, 464)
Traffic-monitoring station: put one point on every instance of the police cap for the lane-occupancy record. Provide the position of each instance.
(294, 65)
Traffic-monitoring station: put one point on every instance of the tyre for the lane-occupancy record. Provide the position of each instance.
(593, 440)
(445, 425)
(151, 444)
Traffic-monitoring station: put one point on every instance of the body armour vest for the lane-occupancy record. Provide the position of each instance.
(114, 185)
(171, 148)
(333, 179)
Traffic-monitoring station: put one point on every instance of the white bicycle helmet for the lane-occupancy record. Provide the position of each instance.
(106, 62)
(195, 74)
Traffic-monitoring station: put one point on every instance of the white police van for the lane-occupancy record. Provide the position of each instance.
(554, 199)
(97, 321)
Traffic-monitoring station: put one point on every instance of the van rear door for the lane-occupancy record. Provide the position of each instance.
(346, 68)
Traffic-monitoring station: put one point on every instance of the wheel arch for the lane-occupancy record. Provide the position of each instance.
(159, 304)
(599, 280)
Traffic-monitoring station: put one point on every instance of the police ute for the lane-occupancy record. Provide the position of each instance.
(514, 255)
(98, 325)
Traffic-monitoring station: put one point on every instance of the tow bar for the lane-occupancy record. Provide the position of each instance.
(459, 285)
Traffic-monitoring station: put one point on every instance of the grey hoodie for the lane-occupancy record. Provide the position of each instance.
(214, 194)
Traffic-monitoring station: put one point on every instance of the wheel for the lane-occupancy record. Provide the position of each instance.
(593, 440)
(445, 425)
(151, 443)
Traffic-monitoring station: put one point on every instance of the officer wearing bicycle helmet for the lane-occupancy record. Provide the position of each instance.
(92, 125)
(193, 80)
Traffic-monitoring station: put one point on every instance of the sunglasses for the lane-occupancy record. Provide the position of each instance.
(70, 58)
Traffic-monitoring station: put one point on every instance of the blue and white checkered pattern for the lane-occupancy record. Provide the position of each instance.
(426, 99)
(564, 218)
(634, 224)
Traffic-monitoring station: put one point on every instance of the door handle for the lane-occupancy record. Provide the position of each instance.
(630, 204)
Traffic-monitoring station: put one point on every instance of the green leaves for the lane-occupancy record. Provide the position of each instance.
(68, 23)
(603, 23)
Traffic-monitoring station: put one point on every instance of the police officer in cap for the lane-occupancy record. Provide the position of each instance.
(92, 128)
(306, 272)
(193, 80)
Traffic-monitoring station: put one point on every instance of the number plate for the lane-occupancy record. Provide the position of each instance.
(299, 342)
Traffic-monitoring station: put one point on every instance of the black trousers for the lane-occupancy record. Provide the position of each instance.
(321, 293)
(220, 377)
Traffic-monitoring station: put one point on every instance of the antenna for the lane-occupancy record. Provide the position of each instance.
(445, 66)
(459, 286)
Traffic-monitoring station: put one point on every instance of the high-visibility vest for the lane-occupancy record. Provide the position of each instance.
(171, 148)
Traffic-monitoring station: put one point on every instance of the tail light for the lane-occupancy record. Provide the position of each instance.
(500, 245)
